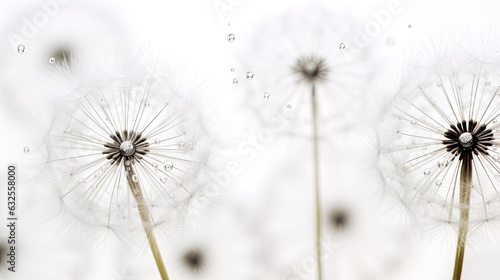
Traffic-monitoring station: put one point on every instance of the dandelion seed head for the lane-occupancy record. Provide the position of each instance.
(443, 117)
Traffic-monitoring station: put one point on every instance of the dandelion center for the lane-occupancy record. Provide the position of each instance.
(311, 68)
(467, 139)
(126, 145)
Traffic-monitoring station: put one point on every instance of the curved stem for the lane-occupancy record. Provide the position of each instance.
(316, 181)
(136, 190)
(465, 190)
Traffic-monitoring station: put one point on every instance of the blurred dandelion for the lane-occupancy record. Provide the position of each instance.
(297, 60)
(439, 139)
(131, 152)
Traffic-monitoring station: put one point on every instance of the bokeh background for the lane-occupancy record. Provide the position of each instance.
(263, 227)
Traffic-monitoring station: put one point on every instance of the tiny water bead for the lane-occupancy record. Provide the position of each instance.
(487, 83)
(127, 148)
(168, 166)
(52, 60)
(231, 37)
(266, 95)
(443, 163)
(235, 81)
(410, 26)
(157, 141)
(341, 46)
(427, 172)
(466, 139)
(181, 144)
(439, 83)
(26, 150)
(391, 41)
(439, 183)
(249, 75)
(20, 49)
(232, 69)
(289, 106)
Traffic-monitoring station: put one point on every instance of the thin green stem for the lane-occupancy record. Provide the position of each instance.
(136, 190)
(465, 190)
(316, 181)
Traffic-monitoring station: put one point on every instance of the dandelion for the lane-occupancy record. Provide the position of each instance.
(130, 153)
(439, 140)
(296, 59)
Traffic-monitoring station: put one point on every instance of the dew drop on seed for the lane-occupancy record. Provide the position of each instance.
(155, 165)
(410, 26)
(232, 69)
(494, 121)
(26, 150)
(157, 141)
(164, 179)
(413, 122)
(427, 172)
(439, 183)
(104, 168)
(439, 83)
(424, 148)
(235, 81)
(52, 60)
(172, 196)
(81, 181)
(146, 103)
(442, 163)
(487, 83)
(266, 95)
(135, 178)
(496, 158)
(341, 46)
(289, 106)
(181, 144)
(249, 75)
(136, 191)
(201, 194)
(20, 49)
(168, 166)
(231, 37)
(127, 162)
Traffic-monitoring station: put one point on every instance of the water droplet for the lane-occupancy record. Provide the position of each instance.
(104, 168)
(494, 121)
(107, 119)
(249, 75)
(191, 145)
(289, 106)
(201, 194)
(497, 176)
(410, 26)
(341, 46)
(26, 150)
(439, 83)
(155, 165)
(52, 60)
(81, 181)
(496, 158)
(20, 49)
(103, 99)
(443, 163)
(427, 172)
(413, 122)
(146, 103)
(231, 37)
(487, 83)
(127, 162)
(235, 81)
(164, 179)
(172, 196)
(266, 95)
(157, 141)
(136, 191)
(168, 166)
(68, 131)
(181, 144)
(424, 148)
(135, 178)
(232, 69)
(439, 183)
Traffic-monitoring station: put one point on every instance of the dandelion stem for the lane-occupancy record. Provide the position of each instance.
(465, 190)
(136, 190)
(316, 180)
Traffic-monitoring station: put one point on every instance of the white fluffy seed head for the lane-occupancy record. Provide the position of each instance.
(134, 125)
(426, 132)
